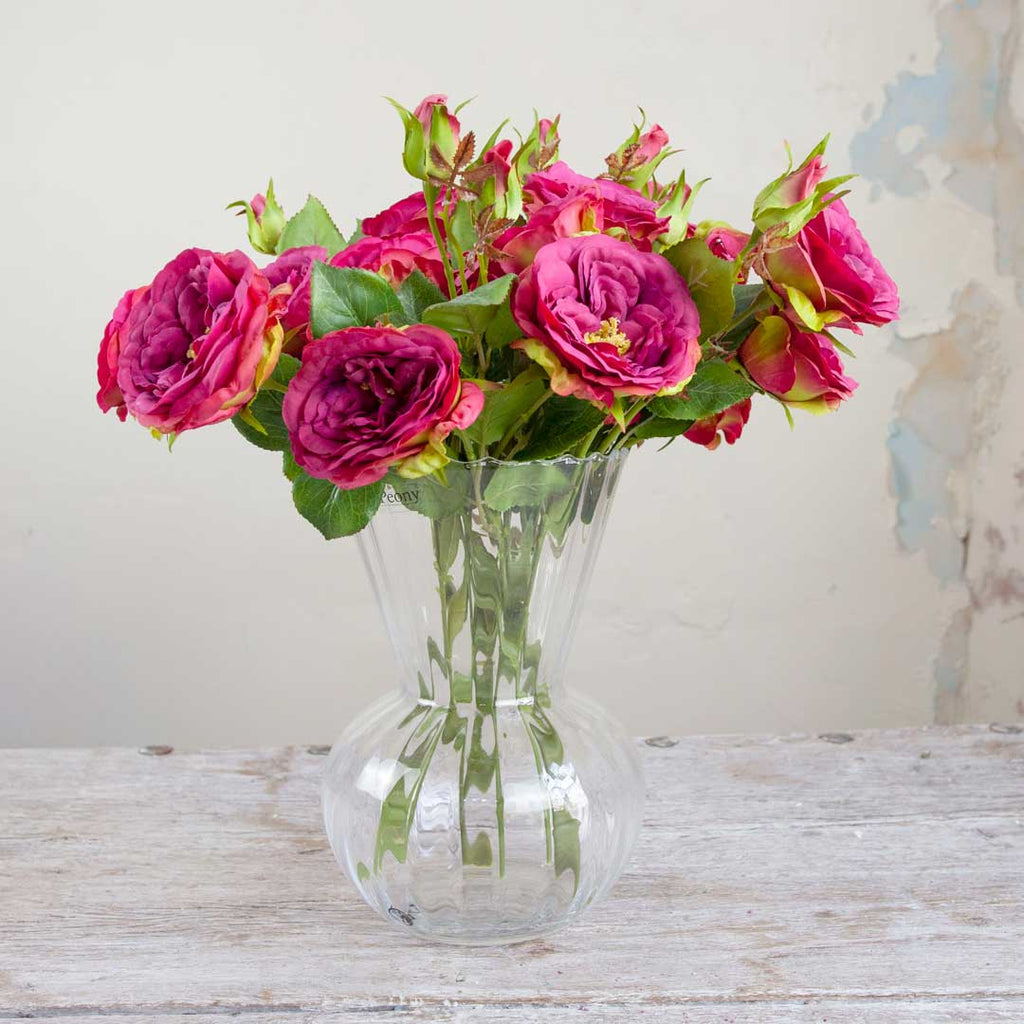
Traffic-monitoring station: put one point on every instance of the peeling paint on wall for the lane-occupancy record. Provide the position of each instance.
(956, 129)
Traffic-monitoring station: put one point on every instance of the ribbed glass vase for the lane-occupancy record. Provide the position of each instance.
(482, 802)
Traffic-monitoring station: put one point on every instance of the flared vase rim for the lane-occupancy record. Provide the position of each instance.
(595, 458)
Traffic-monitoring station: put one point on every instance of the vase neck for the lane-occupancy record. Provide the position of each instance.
(480, 579)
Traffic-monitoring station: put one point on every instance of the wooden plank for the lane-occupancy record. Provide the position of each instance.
(854, 1011)
(784, 879)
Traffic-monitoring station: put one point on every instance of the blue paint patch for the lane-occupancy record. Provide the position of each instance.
(954, 107)
(923, 502)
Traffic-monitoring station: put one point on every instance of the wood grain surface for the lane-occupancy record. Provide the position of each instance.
(872, 876)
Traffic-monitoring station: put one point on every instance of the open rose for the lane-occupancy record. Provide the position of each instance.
(193, 347)
(405, 217)
(561, 203)
(727, 424)
(395, 257)
(829, 275)
(801, 368)
(109, 396)
(293, 268)
(606, 320)
(369, 398)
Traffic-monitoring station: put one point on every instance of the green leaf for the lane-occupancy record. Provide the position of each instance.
(291, 469)
(715, 387)
(430, 496)
(710, 281)
(333, 511)
(463, 229)
(470, 313)
(503, 329)
(416, 293)
(661, 426)
(343, 297)
(561, 424)
(524, 486)
(312, 225)
(503, 408)
(265, 409)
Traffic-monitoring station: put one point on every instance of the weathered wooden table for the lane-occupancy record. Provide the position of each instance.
(877, 876)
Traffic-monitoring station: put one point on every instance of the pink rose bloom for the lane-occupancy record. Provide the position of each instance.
(624, 208)
(727, 424)
(369, 398)
(195, 345)
(606, 320)
(561, 204)
(109, 396)
(406, 216)
(801, 368)
(294, 268)
(831, 263)
(395, 257)
(582, 213)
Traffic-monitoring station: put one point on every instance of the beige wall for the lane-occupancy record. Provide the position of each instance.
(862, 570)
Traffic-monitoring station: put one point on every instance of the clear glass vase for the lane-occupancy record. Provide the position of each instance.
(481, 802)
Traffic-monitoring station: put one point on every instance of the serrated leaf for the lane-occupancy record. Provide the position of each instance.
(416, 293)
(715, 387)
(265, 409)
(312, 225)
(710, 281)
(503, 329)
(503, 408)
(661, 426)
(343, 297)
(562, 423)
(333, 511)
(471, 313)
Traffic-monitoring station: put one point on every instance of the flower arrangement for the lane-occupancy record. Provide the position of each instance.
(498, 338)
(510, 308)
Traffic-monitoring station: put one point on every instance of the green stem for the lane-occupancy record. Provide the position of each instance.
(521, 422)
(460, 261)
(584, 446)
(430, 195)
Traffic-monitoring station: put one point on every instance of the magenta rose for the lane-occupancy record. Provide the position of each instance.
(801, 368)
(727, 424)
(109, 396)
(407, 216)
(561, 203)
(369, 398)
(830, 264)
(395, 257)
(194, 346)
(293, 268)
(606, 320)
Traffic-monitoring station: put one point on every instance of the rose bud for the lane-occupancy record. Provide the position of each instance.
(367, 399)
(294, 268)
(265, 220)
(194, 346)
(605, 320)
(800, 368)
(431, 137)
(727, 424)
(829, 275)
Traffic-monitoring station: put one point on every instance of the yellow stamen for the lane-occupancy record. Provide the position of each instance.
(609, 335)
